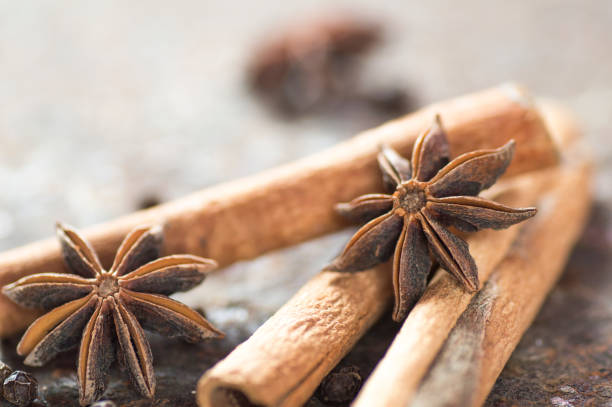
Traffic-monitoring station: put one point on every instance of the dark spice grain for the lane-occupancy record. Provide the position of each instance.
(340, 385)
(20, 388)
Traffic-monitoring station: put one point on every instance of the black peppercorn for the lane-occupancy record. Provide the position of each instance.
(341, 385)
(20, 388)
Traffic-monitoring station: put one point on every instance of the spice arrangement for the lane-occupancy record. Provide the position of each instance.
(338, 308)
(423, 214)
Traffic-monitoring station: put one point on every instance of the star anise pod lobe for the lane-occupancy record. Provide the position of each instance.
(428, 195)
(105, 307)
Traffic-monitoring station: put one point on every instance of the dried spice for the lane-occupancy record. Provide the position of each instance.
(430, 195)
(20, 388)
(111, 306)
(312, 63)
(341, 385)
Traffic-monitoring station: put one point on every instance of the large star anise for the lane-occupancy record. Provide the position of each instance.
(430, 195)
(104, 307)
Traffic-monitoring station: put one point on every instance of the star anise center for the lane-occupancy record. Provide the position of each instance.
(409, 197)
(107, 285)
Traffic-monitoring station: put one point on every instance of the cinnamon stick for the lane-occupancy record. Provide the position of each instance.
(287, 205)
(488, 331)
(283, 362)
(398, 375)
(286, 358)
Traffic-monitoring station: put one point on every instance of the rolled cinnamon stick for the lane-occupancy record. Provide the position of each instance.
(398, 375)
(283, 362)
(286, 358)
(488, 331)
(287, 205)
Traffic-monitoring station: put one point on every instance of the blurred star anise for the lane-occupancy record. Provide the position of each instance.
(430, 195)
(313, 63)
(105, 307)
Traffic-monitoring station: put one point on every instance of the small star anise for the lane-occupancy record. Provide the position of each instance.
(105, 307)
(430, 195)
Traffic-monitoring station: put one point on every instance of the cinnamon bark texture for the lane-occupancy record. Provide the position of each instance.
(502, 311)
(287, 205)
(487, 333)
(286, 358)
(491, 327)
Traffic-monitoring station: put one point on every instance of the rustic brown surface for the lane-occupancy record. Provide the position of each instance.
(284, 206)
(564, 358)
(178, 366)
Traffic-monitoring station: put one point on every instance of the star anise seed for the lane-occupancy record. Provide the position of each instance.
(105, 308)
(429, 195)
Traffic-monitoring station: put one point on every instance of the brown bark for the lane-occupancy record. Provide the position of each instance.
(286, 358)
(287, 205)
(488, 331)
(502, 311)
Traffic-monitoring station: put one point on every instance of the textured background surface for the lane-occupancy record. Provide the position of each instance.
(103, 105)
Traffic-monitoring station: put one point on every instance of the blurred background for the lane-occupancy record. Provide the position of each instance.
(108, 107)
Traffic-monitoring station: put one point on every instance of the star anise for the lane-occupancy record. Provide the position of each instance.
(105, 307)
(312, 64)
(430, 195)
